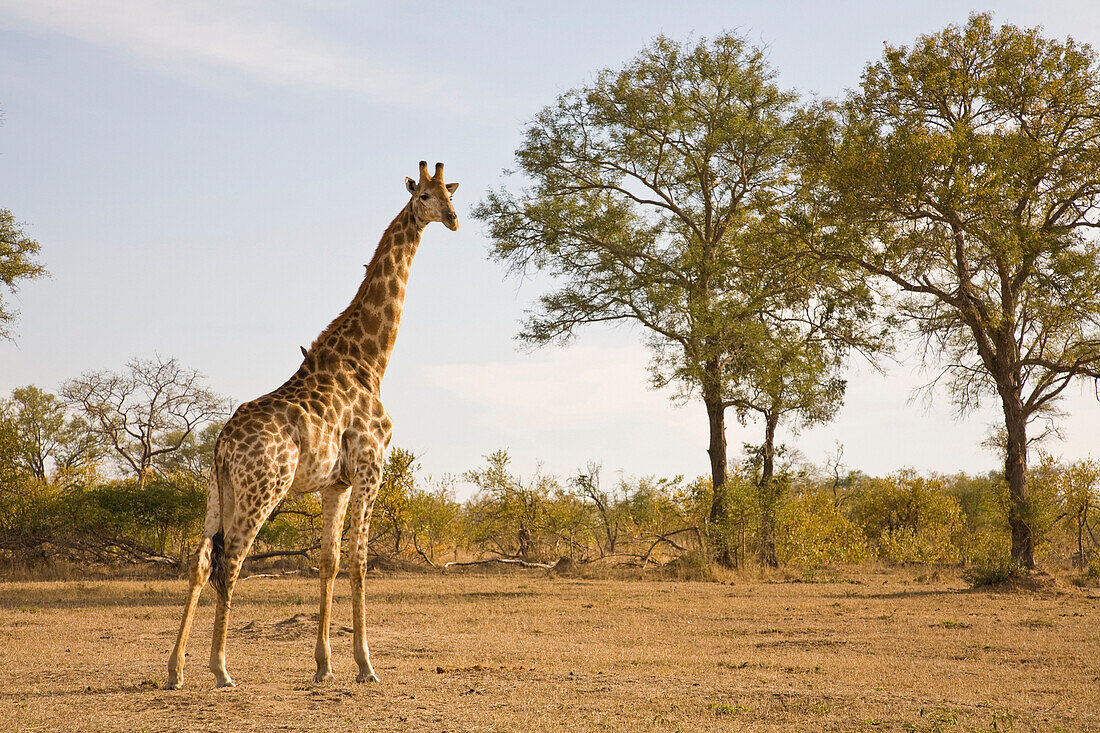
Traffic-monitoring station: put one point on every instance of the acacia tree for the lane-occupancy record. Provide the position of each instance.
(965, 173)
(647, 186)
(146, 412)
(47, 437)
(17, 252)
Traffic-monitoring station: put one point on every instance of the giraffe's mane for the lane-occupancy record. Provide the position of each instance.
(368, 277)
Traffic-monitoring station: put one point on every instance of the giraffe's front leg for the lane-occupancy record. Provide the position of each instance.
(362, 502)
(334, 502)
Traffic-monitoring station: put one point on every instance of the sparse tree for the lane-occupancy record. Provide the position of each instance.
(17, 252)
(1081, 494)
(435, 521)
(793, 375)
(609, 508)
(965, 175)
(649, 185)
(510, 516)
(146, 412)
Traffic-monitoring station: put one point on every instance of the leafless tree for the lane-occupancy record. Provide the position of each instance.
(147, 411)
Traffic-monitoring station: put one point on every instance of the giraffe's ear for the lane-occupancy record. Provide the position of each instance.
(451, 188)
(410, 184)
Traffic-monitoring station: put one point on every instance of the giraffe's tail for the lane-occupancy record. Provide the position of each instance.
(219, 573)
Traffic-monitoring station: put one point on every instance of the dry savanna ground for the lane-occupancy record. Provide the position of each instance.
(524, 651)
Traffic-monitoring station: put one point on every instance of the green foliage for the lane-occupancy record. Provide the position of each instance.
(391, 506)
(17, 252)
(159, 515)
(414, 519)
(734, 534)
(965, 174)
(814, 532)
(1045, 503)
(27, 513)
(435, 522)
(92, 520)
(909, 518)
(46, 441)
(195, 452)
(1063, 507)
(611, 508)
(992, 566)
(1080, 490)
(295, 524)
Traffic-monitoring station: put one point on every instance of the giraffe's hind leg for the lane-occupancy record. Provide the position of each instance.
(362, 504)
(334, 502)
(230, 563)
(238, 539)
(200, 572)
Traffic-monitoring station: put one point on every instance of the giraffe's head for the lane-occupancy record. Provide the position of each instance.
(431, 197)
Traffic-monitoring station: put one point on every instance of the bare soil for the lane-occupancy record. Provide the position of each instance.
(525, 651)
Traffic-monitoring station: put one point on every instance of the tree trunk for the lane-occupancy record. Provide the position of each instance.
(523, 537)
(1019, 513)
(716, 415)
(1081, 518)
(767, 491)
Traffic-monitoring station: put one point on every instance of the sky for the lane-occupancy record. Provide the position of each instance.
(207, 179)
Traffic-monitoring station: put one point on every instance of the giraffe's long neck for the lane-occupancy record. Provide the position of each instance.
(366, 331)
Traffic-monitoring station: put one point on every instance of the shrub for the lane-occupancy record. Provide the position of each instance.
(736, 536)
(813, 532)
(909, 518)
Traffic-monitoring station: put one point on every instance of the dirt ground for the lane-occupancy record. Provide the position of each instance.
(527, 652)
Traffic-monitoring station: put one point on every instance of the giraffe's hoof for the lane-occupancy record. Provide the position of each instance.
(367, 677)
(173, 685)
(322, 678)
(225, 683)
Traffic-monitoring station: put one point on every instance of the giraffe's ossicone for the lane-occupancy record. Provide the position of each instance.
(324, 430)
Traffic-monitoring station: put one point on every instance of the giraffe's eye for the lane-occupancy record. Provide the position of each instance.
(423, 197)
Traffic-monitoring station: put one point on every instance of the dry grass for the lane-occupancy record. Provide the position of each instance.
(527, 652)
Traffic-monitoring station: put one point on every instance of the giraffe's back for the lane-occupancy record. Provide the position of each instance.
(298, 437)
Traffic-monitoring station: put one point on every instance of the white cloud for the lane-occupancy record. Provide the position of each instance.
(559, 388)
(189, 39)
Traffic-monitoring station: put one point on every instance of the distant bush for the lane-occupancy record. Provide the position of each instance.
(88, 519)
(814, 532)
(908, 518)
(56, 504)
(530, 520)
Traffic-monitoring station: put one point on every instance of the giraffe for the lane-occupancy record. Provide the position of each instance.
(325, 430)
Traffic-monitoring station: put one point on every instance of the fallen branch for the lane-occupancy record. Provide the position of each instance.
(630, 558)
(502, 560)
(304, 552)
(274, 575)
